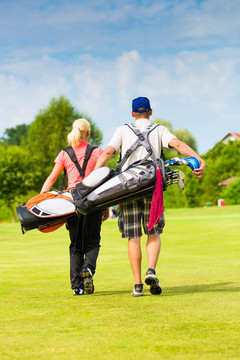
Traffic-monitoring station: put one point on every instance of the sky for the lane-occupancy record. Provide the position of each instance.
(184, 55)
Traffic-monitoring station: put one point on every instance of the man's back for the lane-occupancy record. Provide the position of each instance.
(124, 137)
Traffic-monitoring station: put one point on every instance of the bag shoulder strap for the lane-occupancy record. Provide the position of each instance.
(142, 139)
(71, 153)
(88, 153)
(146, 132)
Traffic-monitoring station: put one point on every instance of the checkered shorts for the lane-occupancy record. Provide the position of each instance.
(135, 214)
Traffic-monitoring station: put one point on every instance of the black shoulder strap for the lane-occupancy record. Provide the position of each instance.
(69, 150)
(88, 153)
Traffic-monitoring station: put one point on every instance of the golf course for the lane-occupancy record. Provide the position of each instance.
(196, 317)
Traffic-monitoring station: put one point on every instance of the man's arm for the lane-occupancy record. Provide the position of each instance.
(185, 150)
(105, 156)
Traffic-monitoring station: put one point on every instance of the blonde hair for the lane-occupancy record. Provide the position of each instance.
(80, 131)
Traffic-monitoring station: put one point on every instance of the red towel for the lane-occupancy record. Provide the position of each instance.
(157, 202)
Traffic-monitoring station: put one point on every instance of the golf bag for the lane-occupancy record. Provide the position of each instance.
(50, 210)
(104, 187)
(47, 211)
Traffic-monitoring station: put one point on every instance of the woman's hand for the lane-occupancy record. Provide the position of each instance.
(105, 214)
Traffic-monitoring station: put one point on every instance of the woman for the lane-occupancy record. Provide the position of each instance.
(84, 231)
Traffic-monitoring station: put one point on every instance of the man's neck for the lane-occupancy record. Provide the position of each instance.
(140, 118)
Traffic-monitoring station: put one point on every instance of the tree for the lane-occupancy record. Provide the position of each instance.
(174, 198)
(222, 162)
(47, 134)
(185, 136)
(182, 134)
(17, 174)
(231, 193)
(14, 136)
(193, 190)
(113, 161)
(165, 123)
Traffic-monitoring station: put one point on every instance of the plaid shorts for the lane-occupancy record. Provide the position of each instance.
(135, 214)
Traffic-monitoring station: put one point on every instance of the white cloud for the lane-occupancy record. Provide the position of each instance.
(183, 55)
(194, 90)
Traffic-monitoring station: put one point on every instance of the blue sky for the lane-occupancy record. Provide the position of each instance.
(182, 54)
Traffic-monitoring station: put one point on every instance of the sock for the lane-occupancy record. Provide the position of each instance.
(152, 270)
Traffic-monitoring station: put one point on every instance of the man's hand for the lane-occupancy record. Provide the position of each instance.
(105, 156)
(185, 150)
(199, 172)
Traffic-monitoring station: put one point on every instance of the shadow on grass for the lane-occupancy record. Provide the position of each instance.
(192, 289)
(182, 290)
(112, 292)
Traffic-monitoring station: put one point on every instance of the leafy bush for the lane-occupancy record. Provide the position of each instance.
(231, 194)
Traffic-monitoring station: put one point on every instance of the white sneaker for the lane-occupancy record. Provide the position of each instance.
(78, 292)
(137, 290)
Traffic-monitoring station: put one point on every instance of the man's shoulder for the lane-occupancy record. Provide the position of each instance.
(119, 130)
(144, 124)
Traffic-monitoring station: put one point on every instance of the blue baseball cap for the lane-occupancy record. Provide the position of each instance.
(141, 103)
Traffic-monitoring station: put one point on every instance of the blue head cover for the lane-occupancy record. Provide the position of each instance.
(193, 163)
(141, 103)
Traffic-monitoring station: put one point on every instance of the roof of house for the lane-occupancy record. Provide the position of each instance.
(226, 182)
(236, 135)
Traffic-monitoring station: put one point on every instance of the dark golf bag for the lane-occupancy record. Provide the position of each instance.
(51, 209)
(105, 187)
(47, 211)
(115, 187)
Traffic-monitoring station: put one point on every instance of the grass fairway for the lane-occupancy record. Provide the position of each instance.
(196, 317)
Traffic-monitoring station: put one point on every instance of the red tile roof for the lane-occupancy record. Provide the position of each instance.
(226, 182)
(237, 135)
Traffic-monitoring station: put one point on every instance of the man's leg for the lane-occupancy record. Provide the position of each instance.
(129, 223)
(135, 257)
(153, 250)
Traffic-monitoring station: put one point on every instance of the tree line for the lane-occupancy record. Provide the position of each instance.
(27, 154)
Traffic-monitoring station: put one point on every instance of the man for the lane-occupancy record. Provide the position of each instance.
(135, 214)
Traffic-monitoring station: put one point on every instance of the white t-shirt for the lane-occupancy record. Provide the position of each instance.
(124, 137)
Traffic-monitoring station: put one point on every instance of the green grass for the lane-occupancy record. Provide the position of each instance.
(196, 317)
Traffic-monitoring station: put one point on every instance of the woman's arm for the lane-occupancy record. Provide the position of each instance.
(50, 181)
